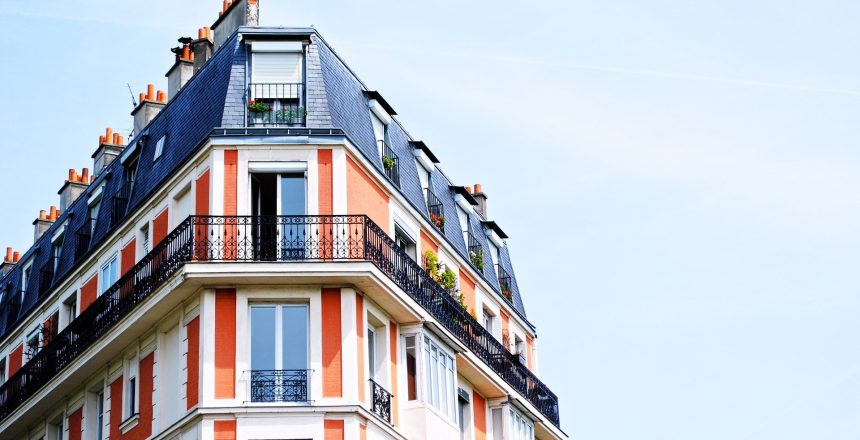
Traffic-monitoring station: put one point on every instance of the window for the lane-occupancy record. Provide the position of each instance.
(144, 238)
(404, 241)
(94, 214)
(131, 387)
(55, 430)
(95, 414)
(276, 68)
(464, 224)
(159, 148)
(424, 178)
(520, 427)
(520, 349)
(488, 320)
(439, 377)
(380, 131)
(56, 250)
(494, 253)
(371, 351)
(71, 307)
(411, 368)
(32, 347)
(463, 416)
(279, 337)
(110, 273)
(25, 279)
(2, 370)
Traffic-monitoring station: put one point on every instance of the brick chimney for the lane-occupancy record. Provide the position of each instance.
(10, 261)
(44, 221)
(481, 198)
(202, 47)
(110, 146)
(233, 15)
(182, 70)
(150, 105)
(74, 186)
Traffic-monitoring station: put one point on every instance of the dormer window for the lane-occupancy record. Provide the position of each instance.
(159, 147)
(276, 93)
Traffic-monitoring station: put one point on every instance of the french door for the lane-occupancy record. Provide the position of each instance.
(278, 204)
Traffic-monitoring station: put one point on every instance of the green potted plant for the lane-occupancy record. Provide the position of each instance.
(448, 280)
(506, 292)
(431, 265)
(477, 257)
(259, 107)
(388, 162)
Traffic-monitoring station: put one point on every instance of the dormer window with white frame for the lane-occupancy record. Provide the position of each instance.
(159, 148)
(276, 92)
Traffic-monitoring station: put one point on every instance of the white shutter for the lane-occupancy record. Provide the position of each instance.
(276, 68)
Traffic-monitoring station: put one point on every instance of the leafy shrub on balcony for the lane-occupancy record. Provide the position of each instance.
(438, 220)
(506, 292)
(448, 280)
(477, 257)
(290, 115)
(259, 107)
(388, 162)
(431, 265)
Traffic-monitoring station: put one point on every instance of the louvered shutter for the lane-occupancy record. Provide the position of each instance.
(276, 75)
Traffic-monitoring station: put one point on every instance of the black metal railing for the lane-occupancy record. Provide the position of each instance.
(280, 386)
(476, 251)
(83, 236)
(506, 285)
(276, 105)
(100, 317)
(120, 204)
(390, 163)
(46, 276)
(380, 403)
(271, 238)
(435, 210)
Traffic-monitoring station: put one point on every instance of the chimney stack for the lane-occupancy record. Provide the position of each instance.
(182, 70)
(10, 261)
(74, 186)
(202, 47)
(110, 146)
(481, 198)
(43, 222)
(233, 15)
(151, 103)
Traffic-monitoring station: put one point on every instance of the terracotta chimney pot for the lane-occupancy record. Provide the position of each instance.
(478, 188)
(9, 255)
(150, 92)
(16, 257)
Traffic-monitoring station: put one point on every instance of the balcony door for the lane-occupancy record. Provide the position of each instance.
(279, 352)
(278, 204)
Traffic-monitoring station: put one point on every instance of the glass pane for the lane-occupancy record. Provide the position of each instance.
(263, 338)
(294, 330)
(292, 194)
(371, 353)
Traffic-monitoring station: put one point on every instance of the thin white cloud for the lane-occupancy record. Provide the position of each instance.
(618, 70)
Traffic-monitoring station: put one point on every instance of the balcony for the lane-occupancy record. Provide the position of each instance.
(435, 210)
(390, 163)
(200, 239)
(476, 251)
(381, 401)
(120, 204)
(46, 276)
(83, 236)
(505, 283)
(276, 105)
(279, 386)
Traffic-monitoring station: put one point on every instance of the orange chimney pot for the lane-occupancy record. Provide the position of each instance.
(43, 215)
(9, 254)
(16, 257)
(478, 188)
(150, 92)
(86, 175)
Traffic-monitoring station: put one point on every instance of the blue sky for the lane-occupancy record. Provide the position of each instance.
(679, 178)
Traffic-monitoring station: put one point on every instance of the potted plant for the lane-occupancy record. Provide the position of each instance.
(388, 162)
(438, 220)
(448, 280)
(431, 265)
(258, 111)
(297, 117)
(477, 257)
(506, 292)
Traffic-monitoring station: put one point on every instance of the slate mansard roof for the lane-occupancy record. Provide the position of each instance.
(213, 99)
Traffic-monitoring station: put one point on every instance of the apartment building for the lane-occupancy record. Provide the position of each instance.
(270, 255)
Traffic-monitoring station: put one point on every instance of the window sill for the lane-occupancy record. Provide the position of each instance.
(129, 423)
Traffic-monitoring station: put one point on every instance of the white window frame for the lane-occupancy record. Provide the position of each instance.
(112, 264)
(439, 374)
(279, 325)
(131, 387)
(519, 426)
(159, 147)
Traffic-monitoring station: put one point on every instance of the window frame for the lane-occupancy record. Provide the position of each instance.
(159, 148)
(112, 264)
(279, 329)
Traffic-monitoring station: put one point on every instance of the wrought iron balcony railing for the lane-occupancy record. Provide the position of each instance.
(476, 251)
(46, 276)
(435, 210)
(120, 204)
(276, 105)
(381, 401)
(83, 236)
(390, 163)
(506, 285)
(201, 239)
(280, 386)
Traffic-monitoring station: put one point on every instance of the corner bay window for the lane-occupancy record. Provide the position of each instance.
(438, 374)
(279, 353)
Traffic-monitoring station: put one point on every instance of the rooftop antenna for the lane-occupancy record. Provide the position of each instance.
(133, 101)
